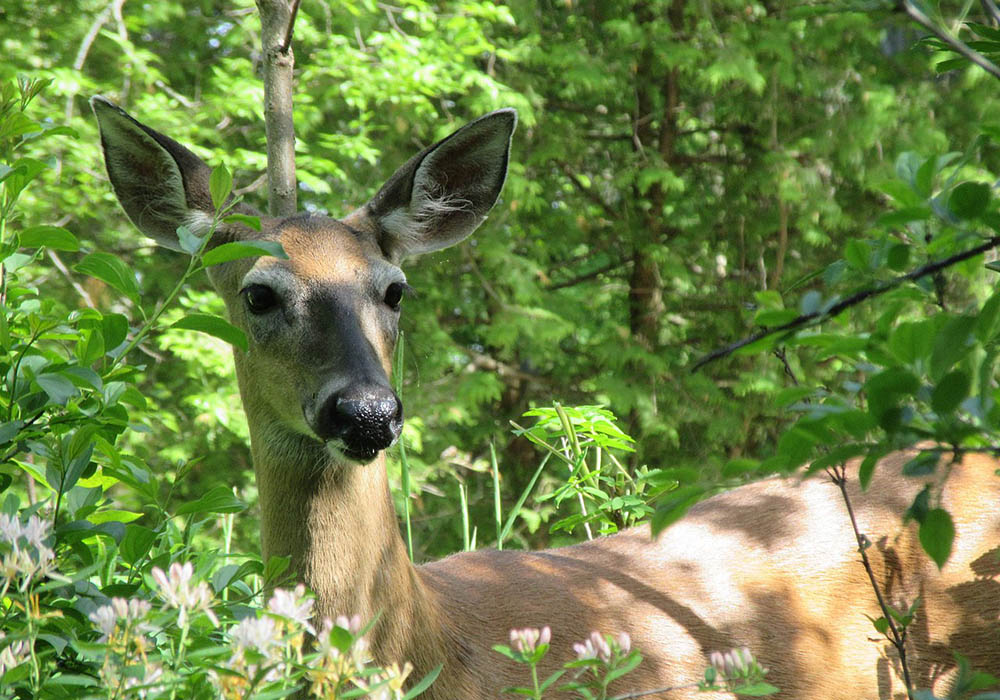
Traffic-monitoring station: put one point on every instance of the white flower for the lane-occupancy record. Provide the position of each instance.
(260, 633)
(35, 531)
(352, 625)
(329, 651)
(119, 611)
(293, 606)
(13, 654)
(31, 559)
(105, 619)
(10, 529)
(527, 640)
(177, 592)
(593, 647)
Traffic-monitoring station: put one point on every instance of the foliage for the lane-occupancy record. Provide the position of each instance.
(685, 174)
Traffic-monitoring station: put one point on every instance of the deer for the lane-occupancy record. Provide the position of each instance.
(772, 565)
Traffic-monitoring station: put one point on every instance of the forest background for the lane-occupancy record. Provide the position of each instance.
(684, 174)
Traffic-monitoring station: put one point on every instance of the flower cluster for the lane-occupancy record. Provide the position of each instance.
(119, 617)
(528, 639)
(25, 554)
(178, 592)
(735, 668)
(605, 648)
(342, 653)
(12, 654)
(124, 625)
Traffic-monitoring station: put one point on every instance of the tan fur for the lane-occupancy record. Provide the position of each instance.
(772, 565)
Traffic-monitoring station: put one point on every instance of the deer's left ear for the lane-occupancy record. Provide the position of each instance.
(442, 194)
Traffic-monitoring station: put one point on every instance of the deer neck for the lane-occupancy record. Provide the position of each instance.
(337, 524)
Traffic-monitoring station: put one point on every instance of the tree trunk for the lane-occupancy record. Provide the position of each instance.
(276, 20)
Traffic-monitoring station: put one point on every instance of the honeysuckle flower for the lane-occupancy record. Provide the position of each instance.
(27, 556)
(259, 633)
(11, 655)
(624, 642)
(735, 662)
(119, 613)
(294, 606)
(105, 619)
(593, 647)
(528, 639)
(177, 592)
(351, 624)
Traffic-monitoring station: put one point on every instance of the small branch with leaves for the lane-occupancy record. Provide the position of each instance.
(818, 317)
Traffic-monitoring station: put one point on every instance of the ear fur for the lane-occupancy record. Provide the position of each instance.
(160, 184)
(442, 194)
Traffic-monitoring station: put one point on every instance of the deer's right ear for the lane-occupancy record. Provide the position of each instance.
(161, 185)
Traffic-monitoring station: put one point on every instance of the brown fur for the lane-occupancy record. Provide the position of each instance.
(772, 565)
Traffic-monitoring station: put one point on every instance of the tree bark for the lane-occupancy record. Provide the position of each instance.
(276, 19)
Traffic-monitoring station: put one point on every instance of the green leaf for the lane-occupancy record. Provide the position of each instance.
(937, 533)
(189, 242)
(674, 505)
(114, 328)
(867, 469)
(215, 326)
(112, 271)
(950, 391)
(218, 500)
(923, 464)
(969, 200)
(953, 342)
(243, 249)
(58, 387)
(136, 543)
(880, 624)
(988, 321)
(251, 221)
(423, 684)
(220, 185)
(904, 216)
(757, 690)
(55, 237)
(858, 254)
(898, 257)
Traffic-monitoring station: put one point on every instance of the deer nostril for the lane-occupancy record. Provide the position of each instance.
(365, 419)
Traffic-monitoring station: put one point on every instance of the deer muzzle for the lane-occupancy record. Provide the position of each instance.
(360, 420)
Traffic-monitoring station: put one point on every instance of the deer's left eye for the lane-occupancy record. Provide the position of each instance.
(394, 295)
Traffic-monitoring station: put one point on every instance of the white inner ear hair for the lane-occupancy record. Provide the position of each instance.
(429, 204)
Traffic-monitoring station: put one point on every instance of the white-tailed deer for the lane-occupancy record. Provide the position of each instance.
(773, 565)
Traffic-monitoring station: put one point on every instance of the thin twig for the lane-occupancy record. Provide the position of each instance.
(783, 356)
(86, 43)
(589, 192)
(291, 24)
(959, 46)
(252, 187)
(992, 10)
(817, 317)
(613, 265)
(839, 477)
(87, 299)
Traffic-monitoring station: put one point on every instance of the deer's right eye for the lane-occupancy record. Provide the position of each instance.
(259, 298)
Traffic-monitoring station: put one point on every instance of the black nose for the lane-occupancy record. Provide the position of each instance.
(366, 418)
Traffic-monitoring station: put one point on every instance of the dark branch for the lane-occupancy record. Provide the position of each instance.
(992, 10)
(960, 47)
(291, 24)
(818, 317)
(588, 192)
(589, 275)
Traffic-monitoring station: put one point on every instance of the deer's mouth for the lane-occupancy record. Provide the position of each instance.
(364, 455)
